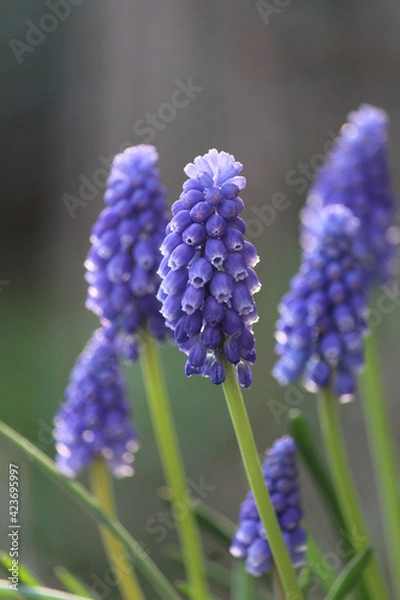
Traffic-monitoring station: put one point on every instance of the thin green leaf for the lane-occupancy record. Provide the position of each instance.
(89, 503)
(25, 575)
(216, 573)
(186, 589)
(213, 522)
(350, 576)
(301, 432)
(242, 583)
(40, 593)
(317, 563)
(305, 578)
(71, 582)
(210, 519)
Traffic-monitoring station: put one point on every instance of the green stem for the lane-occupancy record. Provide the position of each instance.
(102, 489)
(307, 447)
(346, 492)
(316, 559)
(36, 593)
(383, 454)
(71, 583)
(255, 477)
(156, 578)
(173, 466)
(25, 576)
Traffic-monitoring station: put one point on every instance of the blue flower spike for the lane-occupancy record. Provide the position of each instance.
(281, 478)
(357, 175)
(95, 419)
(207, 271)
(121, 267)
(323, 318)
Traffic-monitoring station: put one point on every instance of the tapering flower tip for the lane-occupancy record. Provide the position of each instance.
(281, 478)
(323, 318)
(356, 174)
(208, 271)
(95, 419)
(121, 267)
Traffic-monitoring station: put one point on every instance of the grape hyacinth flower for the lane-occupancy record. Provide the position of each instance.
(281, 478)
(323, 317)
(121, 267)
(356, 174)
(208, 277)
(95, 421)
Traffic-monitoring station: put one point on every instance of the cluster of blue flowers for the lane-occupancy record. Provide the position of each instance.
(121, 267)
(281, 478)
(95, 419)
(208, 277)
(195, 275)
(349, 238)
(324, 315)
(356, 174)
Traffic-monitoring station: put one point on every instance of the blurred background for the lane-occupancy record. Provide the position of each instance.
(271, 86)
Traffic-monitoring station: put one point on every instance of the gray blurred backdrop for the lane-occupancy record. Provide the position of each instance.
(271, 86)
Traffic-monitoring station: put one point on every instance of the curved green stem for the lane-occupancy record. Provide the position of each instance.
(347, 495)
(383, 455)
(255, 477)
(153, 574)
(71, 582)
(173, 466)
(34, 593)
(102, 489)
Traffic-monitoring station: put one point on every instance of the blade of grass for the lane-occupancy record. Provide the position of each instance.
(301, 431)
(144, 563)
(242, 587)
(187, 590)
(39, 593)
(383, 453)
(317, 563)
(25, 576)
(102, 488)
(216, 573)
(372, 582)
(223, 529)
(350, 576)
(211, 520)
(71, 582)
